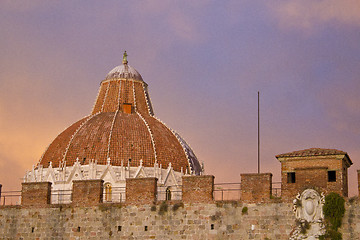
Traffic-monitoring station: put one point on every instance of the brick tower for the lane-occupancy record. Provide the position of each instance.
(322, 169)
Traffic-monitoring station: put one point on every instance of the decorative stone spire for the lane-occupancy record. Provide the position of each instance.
(125, 61)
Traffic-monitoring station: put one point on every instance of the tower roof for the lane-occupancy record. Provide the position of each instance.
(312, 152)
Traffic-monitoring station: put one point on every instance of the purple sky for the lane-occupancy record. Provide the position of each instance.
(204, 62)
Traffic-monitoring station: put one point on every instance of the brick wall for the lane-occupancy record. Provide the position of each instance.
(256, 188)
(315, 177)
(36, 194)
(197, 189)
(87, 192)
(313, 172)
(141, 190)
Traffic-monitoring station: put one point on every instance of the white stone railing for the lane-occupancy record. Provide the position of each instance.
(60, 196)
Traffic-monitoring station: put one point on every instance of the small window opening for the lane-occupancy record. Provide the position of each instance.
(119, 228)
(127, 108)
(168, 194)
(146, 228)
(331, 176)
(32, 229)
(78, 229)
(84, 159)
(108, 192)
(291, 177)
(212, 226)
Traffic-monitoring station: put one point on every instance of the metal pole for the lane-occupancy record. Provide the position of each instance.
(258, 132)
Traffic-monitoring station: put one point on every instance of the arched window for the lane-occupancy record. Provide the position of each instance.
(168, 194)
(108, 190)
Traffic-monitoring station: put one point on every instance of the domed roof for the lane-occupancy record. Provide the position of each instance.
(124, 71)
(122, 128)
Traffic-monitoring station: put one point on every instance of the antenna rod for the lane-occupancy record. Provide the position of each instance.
(258, 132)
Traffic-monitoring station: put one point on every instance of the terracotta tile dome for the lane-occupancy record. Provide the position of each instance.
(122, 126)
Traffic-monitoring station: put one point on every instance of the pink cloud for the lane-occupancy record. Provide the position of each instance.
(306, 14)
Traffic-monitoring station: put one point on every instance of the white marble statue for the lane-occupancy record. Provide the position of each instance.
(308, 209)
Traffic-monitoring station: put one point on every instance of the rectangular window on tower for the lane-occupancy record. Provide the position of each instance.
(291, 177)
(331, 176)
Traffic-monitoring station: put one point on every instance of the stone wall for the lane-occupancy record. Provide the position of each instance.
(197, 216)
(220, 220)
(351, 221)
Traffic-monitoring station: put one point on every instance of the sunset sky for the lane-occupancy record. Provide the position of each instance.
(204, 62)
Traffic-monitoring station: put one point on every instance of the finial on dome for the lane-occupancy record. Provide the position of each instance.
(125, 61)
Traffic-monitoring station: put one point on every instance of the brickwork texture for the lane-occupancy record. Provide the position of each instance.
(122, 127)
(197, 189)
(141, 190)
(36, 194)
(256, 188)
(312, 172)
(87, 192)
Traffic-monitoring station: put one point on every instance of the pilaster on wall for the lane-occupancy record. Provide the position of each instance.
(141, 190)
(256, 188)
(36, 194)
(197, 189)
(87, 192)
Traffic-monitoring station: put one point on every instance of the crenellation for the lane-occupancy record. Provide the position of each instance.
(36, 194)
(198, 189)
(256, 188)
